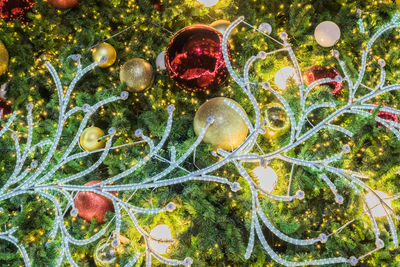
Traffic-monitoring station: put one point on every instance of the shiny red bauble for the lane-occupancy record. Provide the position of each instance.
(15, 9)
(319, 72)
(386, 116)
(194, 59)
(91, 205)
(63, 4)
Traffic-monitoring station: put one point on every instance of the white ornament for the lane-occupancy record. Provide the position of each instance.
(163, 232)
(265, 28)
(282, 76)
(267, 178)
(160, 61)
(374, 204)
(208, 3)
(327, 33)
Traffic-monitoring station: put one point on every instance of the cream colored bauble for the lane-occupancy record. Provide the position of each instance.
(282, 76)
(374, 204)
(327, 33)
(162, 239)
(228, 131)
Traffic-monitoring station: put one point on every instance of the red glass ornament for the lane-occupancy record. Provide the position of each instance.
(63, 4)
(319, 72)
(90, 205)
(194, 58)
(386, 116)
(15, 9)
(158, 5)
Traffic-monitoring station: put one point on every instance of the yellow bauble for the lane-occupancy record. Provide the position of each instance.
(3, 58)
(277, 120)
(89, 139)
(228, 127)
(137, 74)
(222, 25)
(104, 50)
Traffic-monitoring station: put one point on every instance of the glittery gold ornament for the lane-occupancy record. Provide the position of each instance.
(222, 25)
(277, 120)
(228, 130)
(3, 58)
(89, 139)
(104, 50)
(138, 74)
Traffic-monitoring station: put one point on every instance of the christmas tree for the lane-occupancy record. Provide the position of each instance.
(92, 175)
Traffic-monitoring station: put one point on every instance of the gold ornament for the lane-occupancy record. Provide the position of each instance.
(229, 129)
(89, 139)
(107, 254)
(137, 73)
(104, 50)
(277, 120)
(222, 25)
(3, 58)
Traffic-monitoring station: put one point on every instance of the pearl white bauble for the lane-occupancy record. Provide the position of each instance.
(282, 76)
(374, 204)
(327, 33)
(160, 61)
(265, 28)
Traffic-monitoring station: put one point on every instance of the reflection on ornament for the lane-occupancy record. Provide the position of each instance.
(208, 3)
(222, 25)
(277, 120)
(282, 76)
(161, 239)
(107, 51)
(327, 33)
(137, 74)
(267, 178)
(16, 9)
(374, 204)
(90, 139)
(265, 28)
(63, 4)
(194, 58)
(228, 131)
(3, 58)
(160, 61)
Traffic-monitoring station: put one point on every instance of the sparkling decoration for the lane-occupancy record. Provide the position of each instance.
(91, 139)
(161, 239)
(277, 120)
(91, 205)
(160, 61)
(324, 76)
(265, 28)
(104, 53)
(266, 178)
(327, 33)
(283, 75)
(3, 58)
(221, 26)
(15, 9)
(208, 3)
(194, 58)
(63, 4)
(228, 129)
(378, 203)
(138, 74)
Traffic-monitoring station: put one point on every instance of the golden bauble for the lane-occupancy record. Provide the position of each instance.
(222, 25)
(104, 50)
(277, 120)
(229, 129)
(89, 139)
(138, 74)
(3, 58)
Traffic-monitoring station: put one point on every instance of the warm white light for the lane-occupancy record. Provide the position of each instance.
(161, 231)
(282, 76)
(375, 205)
(208, 3)
(267, 178)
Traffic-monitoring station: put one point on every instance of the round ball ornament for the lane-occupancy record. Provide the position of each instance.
(108, 255)
(137, 74)
(91, 205)
(194, 58)
(15, 9)
(222, 25)
(265, 27)
(89, 139)
(4, 58)
(107, 51)
(63, 4)
(327, 33)
(276, 119)
(228, 130)
(315, 73)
